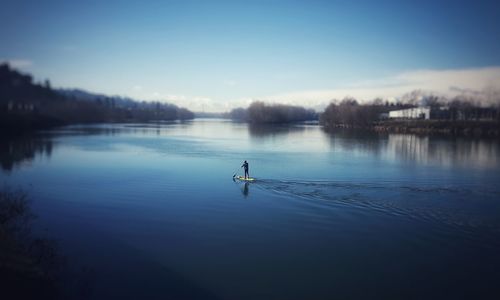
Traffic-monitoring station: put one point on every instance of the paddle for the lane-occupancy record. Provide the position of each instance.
(234, 175)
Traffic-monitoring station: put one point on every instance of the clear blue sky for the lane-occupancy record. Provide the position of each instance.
(229, 50)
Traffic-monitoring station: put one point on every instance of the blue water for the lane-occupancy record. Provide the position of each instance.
(151, 211)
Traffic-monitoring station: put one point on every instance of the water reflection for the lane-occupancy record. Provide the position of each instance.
(408, 147)
(428, 150)
(32, 264)
(264, 131)
(356, 140)
(245, 189)
(102, 177)
(208, 137)
(15, 152)
(152, 128)
(443, 151)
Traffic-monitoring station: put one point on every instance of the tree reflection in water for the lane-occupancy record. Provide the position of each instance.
(421, 149)
(14, 152)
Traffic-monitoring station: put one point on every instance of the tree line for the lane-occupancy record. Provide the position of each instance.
(26, 105)
(261, 113)
(350, 113)
(458, 115)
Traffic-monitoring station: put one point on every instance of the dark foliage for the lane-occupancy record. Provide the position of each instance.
(348, 113)
(239, 114)
(25, 105)
(31, 266)
(28, 265)
(261, 113)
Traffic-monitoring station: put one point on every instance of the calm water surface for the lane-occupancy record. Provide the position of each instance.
(151, 211)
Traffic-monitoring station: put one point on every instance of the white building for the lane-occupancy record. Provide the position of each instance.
(411, 113)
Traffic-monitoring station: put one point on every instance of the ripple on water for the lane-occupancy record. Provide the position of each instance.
(453, 207)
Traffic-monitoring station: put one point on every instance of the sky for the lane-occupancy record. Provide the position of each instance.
(217, 55)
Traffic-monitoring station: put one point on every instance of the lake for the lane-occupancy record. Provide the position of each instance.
(150, 211)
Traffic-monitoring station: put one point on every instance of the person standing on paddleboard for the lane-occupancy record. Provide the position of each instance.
(245, 166)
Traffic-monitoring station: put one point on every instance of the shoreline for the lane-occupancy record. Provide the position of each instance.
(429, 127)
(16, 126)
(442, 127)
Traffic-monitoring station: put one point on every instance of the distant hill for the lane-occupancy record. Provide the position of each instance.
(80, 94)
(25, 105)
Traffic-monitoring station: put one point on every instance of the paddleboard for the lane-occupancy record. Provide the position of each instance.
(244, 179)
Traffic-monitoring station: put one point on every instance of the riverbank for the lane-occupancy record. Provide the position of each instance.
(465, 128)
(27, 106)
(428, 127)
(14, 125)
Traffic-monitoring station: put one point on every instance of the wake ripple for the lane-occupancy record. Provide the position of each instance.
(467, 209)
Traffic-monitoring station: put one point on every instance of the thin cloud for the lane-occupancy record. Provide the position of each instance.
(203, 104)
(483, 83)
